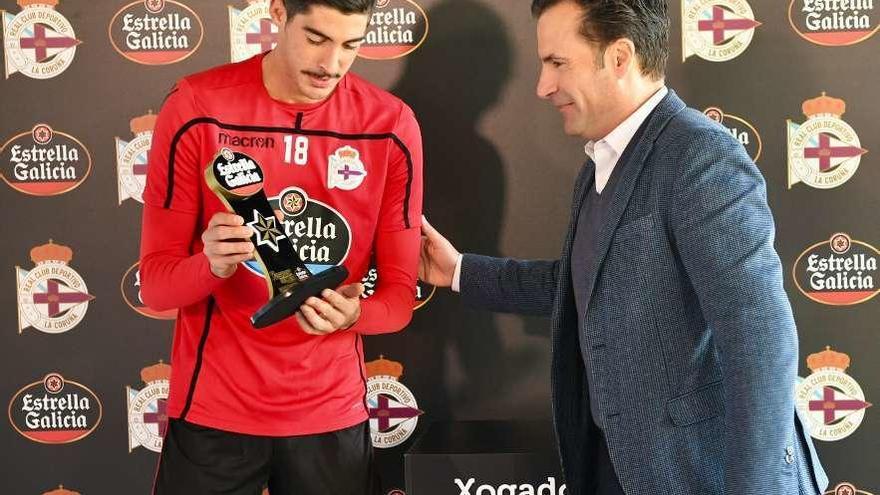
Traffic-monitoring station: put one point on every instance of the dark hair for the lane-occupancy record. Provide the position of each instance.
(294, 7)
(645, 22)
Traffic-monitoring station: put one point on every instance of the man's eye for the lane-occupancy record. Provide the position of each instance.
(315, 41)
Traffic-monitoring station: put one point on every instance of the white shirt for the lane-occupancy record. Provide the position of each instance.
(605, 153)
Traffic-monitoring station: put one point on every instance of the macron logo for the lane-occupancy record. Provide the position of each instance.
(548, 488)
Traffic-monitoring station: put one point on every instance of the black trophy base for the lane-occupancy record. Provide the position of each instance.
(288, 302)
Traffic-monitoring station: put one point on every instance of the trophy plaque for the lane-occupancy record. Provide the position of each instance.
(238, 181)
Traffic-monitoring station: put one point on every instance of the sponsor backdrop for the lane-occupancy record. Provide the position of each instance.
(86, 363)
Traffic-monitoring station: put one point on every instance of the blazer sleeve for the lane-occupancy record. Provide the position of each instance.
(723, 230)
(508, 285)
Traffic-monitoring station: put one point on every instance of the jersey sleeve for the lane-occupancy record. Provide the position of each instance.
(398, 236)
(174, 271)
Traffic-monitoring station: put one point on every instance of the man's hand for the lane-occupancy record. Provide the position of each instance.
(226, 243)
(336, 310)
(438, 257)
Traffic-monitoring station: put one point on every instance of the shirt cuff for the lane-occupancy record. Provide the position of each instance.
(456, 275)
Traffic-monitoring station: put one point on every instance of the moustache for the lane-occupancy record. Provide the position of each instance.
(321, 74)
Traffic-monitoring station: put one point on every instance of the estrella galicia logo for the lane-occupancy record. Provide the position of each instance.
(716, 30)
(847, 488)
(38, 42)
(131, 294)
(55, 410)
(833, 22)
(740, 129)
(840, 271)
(823, 152)
(424, 291)
(44, 161)
(251, 30)
(396, 29)
(156, 32)
(320, 235)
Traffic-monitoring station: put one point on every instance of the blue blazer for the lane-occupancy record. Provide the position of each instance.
(690, 332)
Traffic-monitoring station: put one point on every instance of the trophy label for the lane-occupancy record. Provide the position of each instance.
(236, 174)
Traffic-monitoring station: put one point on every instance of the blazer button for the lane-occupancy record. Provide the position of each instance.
(789, 450)
(789, 458)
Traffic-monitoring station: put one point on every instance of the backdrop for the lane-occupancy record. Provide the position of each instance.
(85, 365)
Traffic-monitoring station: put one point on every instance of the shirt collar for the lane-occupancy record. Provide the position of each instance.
(619, 138)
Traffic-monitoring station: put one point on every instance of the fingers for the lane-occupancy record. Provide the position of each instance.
(350, 291)
(226, 243)
(225, 218)
(312, 323)
(427, 229)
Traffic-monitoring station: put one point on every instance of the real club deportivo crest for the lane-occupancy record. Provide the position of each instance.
(823, 152)
(345, 169)
(147, 413)
(132, 158)
(392, 407)
(251, 30)
(830, 402)
(38, 42)
(52, 297)
(716, 30)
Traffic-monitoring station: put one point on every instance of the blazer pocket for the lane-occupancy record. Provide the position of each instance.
(638, 226)
(701, 404)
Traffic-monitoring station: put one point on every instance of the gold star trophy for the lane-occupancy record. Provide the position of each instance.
(237, 180)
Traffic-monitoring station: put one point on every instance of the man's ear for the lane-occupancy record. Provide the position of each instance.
(621, 55)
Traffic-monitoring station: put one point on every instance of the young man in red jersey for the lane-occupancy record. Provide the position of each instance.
(342, 160)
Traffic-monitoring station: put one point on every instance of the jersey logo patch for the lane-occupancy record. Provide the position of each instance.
(345, 169)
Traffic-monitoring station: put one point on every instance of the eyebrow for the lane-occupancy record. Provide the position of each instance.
(551, 57)
(319, 33)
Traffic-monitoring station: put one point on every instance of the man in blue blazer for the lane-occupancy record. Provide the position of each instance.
(674, 347)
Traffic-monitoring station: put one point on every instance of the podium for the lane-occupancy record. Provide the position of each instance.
(485, 457)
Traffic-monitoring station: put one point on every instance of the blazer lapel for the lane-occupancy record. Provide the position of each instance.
(638, 150)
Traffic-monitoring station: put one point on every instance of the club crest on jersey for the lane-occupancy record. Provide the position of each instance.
(823, 152)
(44, 161)
(55, 410)
(394, 413)
(38, 41)
(345, 170)
(424, 291)
(830, 402)
(251, 30)
(147, 408)
(156, 32)
(740, 129)
(131, 294)
(833, 22)
(716, 30)
(52, 297)
(840, 271)
(320, 235)
(396, 29)
(847, 488)
(131, 158)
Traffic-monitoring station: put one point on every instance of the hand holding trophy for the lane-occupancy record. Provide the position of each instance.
(238, 181)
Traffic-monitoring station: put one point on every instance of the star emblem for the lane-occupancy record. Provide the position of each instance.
(267, 231)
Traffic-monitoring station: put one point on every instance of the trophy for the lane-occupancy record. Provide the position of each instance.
(238, 181)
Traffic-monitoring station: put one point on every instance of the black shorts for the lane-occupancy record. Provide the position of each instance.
(197, 460)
